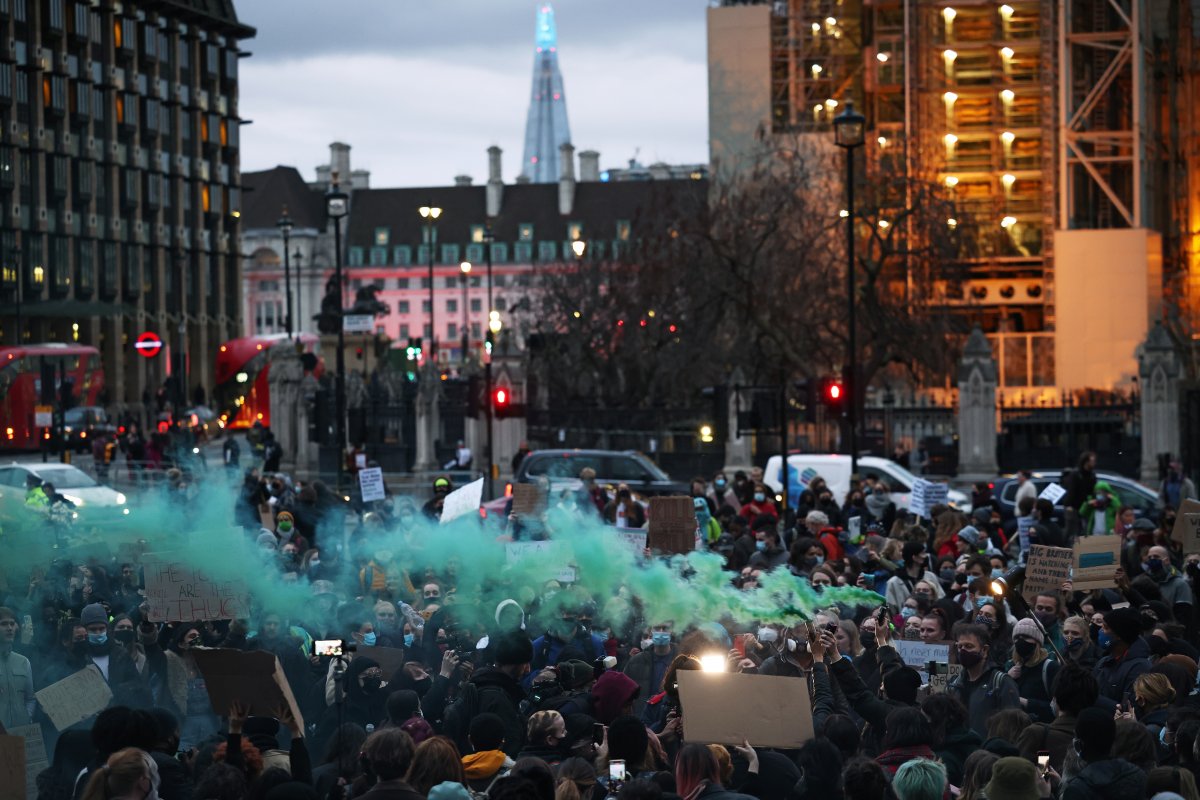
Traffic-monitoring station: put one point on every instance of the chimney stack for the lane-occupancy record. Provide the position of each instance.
(463, 180)
(495, 184)
(339, 164)
(589, 166)
(566, 178)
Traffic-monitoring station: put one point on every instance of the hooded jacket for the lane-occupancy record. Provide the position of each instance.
(1116, 676)
(1087, 513)
(612, 692)
(1113, 779)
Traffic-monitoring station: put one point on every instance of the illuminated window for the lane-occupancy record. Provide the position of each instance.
(117, 32)
(205, 200)
(224, 134)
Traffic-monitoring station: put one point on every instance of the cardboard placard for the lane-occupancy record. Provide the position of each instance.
(1187, 526)
(13, 772)
(253, 677)
(1053, 492)
(917, 654)
(1046, 569)
(731, 708)
(527, 499)
(940, 676)
(925, 495)
(36, 758)
(1023, 526)
(672, 526)
(179, 592)
(75, 698)
(370, 484)
(462, 501)
(634, 540)
(1096, 561)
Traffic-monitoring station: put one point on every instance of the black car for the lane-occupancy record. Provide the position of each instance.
(83, 424)
(641, 474)
(1143, 501)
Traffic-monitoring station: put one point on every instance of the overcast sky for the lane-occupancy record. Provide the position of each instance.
(420, 90)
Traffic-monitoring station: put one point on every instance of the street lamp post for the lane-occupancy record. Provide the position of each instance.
(488, 238)
(849, 132)
(285, 227)
(337, 205)
(299, 258)
(20, 289)
(429, 214)
(465, 270)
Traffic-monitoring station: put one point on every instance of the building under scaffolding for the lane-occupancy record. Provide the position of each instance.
(1065, 133)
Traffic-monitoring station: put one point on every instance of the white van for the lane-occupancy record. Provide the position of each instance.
(835, 469)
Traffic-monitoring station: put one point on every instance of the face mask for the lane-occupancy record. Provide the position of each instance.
(422, 686)
(980, 602)
(1162, 736)
(759, 497)
(372, 684)
(97, 638)
(285, 527)
(1047, 618)
(719, 483)
(661, 638)
(1075, 644)
(407, 520)
(767, 635)
(814, 561)
(908, 612)
(947, 575)
(646, 643)
(123, 635)
(1104, 639)
(997, 572)
(760, 546)
(792, 645)
(369, 639)
(409, 639)
(314, 564)
(1153, 565)
(969, 659)
(1024, 649)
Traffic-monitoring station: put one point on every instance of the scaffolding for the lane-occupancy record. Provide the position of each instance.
(816, 62)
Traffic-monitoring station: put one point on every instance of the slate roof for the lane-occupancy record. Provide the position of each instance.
(265, 194)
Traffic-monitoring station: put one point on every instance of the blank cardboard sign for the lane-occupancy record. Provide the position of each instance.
(731, 708)
(251, 677)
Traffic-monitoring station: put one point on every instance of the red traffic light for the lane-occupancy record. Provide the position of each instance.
(835, 391)
(500, 397)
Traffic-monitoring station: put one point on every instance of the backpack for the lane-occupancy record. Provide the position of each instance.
(456, 721)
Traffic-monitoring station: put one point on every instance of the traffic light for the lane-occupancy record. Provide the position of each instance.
(413, 351)
(501, 402)
(833, 395)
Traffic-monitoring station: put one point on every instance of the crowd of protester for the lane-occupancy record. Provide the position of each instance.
(1072, 695)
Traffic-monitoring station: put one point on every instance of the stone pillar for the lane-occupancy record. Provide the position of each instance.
(1159, 371)
(287, 410)
(428, 422)
(977, 409)
(737, 448)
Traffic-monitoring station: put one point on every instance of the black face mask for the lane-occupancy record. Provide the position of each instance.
(1024, 649)
(969, 659)
(422, 686)
(124, 635)
(372, 684)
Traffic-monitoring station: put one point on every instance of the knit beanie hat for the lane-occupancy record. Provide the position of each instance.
(1013, 779)
(93, 613)
(1027, 627)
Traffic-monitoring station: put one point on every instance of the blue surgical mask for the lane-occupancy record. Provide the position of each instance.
(997, 572)
(759, 497)
(660, 638)
(1162, 736)
(980, 602)
(760, 545)
(409, 639)
(719, 483)
(1104, 639)
(369, 639)
(908, 612)
(819, 559)
(97, 638)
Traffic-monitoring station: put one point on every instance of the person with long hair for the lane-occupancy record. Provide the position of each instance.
(129, 774)
(436, 760)
(698, 775)
(576, 780)
(977, 772)
(1033, 669)
(1172, 779)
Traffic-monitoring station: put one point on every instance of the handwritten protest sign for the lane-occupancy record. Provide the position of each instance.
(918, 654)
(527, 499)
(1096, 562)
(252, 677)
(370, 484)
(550, 555)
(176, 591)
(1053, 492)
(672, 526)
(732, 708)
(925, 495)
(1023, 526)
(634, 540)
(1187, 526)
(35, 756)
(940, 676)
(1046, 569)
(462, 501)
(75, 698)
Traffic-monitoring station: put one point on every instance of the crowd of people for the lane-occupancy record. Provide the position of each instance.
(568, 688)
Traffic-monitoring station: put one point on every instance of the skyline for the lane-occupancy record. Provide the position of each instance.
(476, 59)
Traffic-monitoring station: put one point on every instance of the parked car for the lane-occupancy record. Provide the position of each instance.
(94, 502)
(82, 424)
(630, 467)
(835, 469)
(1142, 500)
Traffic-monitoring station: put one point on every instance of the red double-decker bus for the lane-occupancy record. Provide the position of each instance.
(242, 390)
(21, 370)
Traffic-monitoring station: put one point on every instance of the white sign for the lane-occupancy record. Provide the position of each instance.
(370, 483)
(633, 539)
(925, 495)
(548, 552)
(358, 323)
(918, 654)
(43, 416)
(462, 501)
(1053, 492)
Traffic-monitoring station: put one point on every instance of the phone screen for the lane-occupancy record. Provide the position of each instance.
(598, 733)
(616, 770)
(327, 647)
(1043, 760)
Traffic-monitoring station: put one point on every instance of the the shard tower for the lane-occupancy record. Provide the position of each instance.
(546, 128)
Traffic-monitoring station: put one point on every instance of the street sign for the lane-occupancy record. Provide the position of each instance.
(148, 344)
(43, 416)
(358, 323)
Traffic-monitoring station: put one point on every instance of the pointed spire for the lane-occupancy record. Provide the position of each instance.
(547, 31)
(546, 128)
